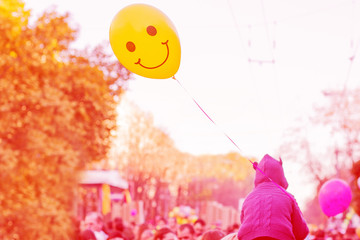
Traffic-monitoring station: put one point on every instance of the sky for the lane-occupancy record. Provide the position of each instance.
(255, 67)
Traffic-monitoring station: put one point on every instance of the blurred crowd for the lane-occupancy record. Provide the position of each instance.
(93, 227)
(321, 234)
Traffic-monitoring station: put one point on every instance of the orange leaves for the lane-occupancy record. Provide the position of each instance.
(149, 157)
(13, 17)
(53, 31)
(57, 109)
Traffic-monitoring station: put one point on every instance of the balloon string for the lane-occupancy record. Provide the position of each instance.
(207, 115)
(233, 142)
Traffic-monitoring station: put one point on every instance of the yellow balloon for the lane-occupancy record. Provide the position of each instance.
(145, 41)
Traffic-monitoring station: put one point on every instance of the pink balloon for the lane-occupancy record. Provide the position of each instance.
(334, 197)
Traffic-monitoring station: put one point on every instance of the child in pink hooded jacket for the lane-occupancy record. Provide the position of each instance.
(269, 212)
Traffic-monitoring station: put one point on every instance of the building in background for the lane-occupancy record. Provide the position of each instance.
(101, 191)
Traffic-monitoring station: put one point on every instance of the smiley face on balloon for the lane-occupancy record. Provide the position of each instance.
(145, 41)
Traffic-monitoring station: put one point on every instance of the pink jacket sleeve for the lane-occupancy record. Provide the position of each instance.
(300, 228)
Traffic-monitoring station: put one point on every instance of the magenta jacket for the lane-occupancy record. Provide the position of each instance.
(268, 210)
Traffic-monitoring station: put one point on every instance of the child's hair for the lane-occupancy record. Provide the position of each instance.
(115, 234)
(87, 235)
(161, 233)
(200, 221)
(213, 235)
(188, 226)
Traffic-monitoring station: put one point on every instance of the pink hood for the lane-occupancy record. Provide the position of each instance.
(272, 169)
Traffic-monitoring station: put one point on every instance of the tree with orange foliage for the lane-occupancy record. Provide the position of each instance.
(146, 154)
(223, 177)
(155, 168)
(328, 146)
(57, 111)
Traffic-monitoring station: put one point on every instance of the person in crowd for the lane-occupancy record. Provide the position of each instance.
(87, 235)
(128, 233)
(77, 231)
(186, 231)
(232, 228)
(350, 234)
(109, 227)
(161, 222)
(319, 234)
(269, 211)
(118, 224)
(147, 234)
(94, 222)
(172, 224)
(165, 233)
(199, 227)
(82, 226)
(213, 235)
(115, 235)
(141, 228)
(230, 236)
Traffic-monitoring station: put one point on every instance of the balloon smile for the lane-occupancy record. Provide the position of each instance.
(167, 56)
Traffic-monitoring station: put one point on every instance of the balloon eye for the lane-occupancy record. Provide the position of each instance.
(130, 46)
(151, 30)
